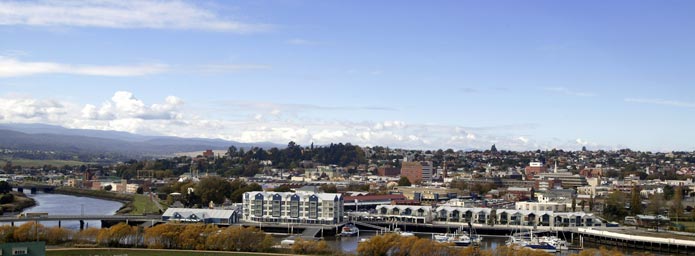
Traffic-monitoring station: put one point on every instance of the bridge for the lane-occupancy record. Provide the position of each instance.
(82, 218)
(33, 187)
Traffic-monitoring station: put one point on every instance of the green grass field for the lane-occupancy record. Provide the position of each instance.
(143, 252)
(143, 204)
(39, 163)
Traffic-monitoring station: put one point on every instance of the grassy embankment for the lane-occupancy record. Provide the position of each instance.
(144, 252)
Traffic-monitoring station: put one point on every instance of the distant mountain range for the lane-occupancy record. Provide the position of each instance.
(56, 138)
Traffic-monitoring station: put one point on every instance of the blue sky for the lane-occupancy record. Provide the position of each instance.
(437, 74)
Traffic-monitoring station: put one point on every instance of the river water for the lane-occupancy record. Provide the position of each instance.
(58, 204)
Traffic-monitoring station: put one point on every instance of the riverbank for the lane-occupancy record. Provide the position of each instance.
(98, 194)
(132, 203)
(144, 252)
(20, 202)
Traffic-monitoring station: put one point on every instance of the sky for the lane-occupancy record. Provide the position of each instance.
(523, 75)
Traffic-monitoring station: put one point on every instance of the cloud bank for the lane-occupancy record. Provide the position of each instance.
(262, 122)
(12, 67)
(119, 14)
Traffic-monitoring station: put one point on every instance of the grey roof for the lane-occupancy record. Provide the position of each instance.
(201, 213)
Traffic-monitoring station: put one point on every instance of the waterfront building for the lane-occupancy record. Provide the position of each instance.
(208, 216)
(293, 207)
(406, 213)
(485, 216)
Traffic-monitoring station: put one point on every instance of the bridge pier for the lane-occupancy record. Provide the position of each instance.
(33, 191)
(81, 224)
(20, 189)
(59, 224)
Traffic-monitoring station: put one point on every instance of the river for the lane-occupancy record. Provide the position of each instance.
(58, 204)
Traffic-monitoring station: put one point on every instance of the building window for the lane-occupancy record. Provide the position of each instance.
(294, 208)
(276, 208)
(258, 205)
(313, 210)
(20, 251)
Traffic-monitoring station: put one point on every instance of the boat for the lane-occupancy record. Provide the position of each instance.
(285, 243)
(544, 244)
(349, 230)
(403, 233)
(460, 237)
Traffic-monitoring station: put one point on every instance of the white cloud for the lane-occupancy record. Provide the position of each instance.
(26, 109)
(523, 139)
(299, 41)
(119, 14)
(567, 91)
(124, 105)
(11, 67)
(673, 103)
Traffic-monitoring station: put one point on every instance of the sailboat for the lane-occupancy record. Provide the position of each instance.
(460, 237)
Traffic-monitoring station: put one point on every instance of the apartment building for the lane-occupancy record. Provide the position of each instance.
(293, 207)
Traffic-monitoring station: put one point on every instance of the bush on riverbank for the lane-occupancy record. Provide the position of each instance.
(18, 203)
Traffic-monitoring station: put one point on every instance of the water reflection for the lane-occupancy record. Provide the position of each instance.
(58, 204)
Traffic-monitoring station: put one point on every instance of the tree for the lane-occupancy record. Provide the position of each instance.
(404, 181)
(29, 231)
(302, 246)
(5, 187)
(108, 187)
(283, 188)
(329, 188)
(656, 203)
(614, 208)
(6, 232)
(669, 191)
(139, 190)
(213, 188)
(635, 201)
(574, 203)
(57, 235)
(493, 149)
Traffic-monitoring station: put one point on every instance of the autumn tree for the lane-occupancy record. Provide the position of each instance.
(378, 245)
(29, 231)
(164, 236)
(302, 246)
(88, 235)
(6, 232)
(57, 235)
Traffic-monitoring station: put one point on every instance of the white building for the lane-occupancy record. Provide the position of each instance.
(538, 206)
(293, 207)
(485, 216)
